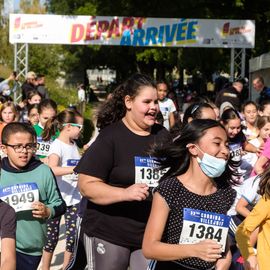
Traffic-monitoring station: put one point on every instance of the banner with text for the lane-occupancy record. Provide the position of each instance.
(131, 31)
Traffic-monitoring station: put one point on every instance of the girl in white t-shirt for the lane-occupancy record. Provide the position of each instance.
(63, 157)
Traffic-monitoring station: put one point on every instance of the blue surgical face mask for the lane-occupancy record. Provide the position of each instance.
(211, 166)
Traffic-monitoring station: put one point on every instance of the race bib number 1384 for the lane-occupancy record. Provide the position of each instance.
(199, 225)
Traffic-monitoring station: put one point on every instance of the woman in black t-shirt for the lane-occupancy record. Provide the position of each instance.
(7, 236)
(188, 226)
(115, 175)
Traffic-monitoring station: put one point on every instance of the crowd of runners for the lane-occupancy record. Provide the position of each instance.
(156, 189)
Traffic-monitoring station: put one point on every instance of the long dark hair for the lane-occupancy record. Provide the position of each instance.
(194, 111)
(114, 109)
(175, 155)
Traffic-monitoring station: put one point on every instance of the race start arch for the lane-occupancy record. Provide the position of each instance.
(130, 31)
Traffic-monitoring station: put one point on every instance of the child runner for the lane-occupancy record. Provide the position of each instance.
(264, 108)
(261, 141)
(31, 189)
(166, 105)
(47, 110)
(7, 114)
(258, 218)
(263, 161)
(33, 118)
(250, 113)
(237, 140)
(63, 157)
(187, 200)
(7, 237)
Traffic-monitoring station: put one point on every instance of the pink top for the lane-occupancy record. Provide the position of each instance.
(266, 153)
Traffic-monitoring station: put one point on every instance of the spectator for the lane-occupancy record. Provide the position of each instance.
(81, 98)
(231, 94)
(258, 85)
(29, 84)
(41, 86)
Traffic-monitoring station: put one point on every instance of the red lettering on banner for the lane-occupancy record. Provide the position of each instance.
(140, 22)
(77, 32)
(127, 24)
(91, 29)
(114, 28)
(102, 28)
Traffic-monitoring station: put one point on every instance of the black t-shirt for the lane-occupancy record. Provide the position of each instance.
(7, 221)
(111, 158)
(178, 197)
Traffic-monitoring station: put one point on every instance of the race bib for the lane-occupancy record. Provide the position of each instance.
(147, 171)
(235, 151)
(20, 196)
(71, 176)
(199, 225)
(43, 147)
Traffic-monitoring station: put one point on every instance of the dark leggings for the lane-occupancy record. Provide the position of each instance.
(53, 228)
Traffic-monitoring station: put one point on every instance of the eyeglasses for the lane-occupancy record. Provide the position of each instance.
(18, 148)
(74, 125)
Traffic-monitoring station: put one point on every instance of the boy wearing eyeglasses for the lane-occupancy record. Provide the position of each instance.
(30, 188)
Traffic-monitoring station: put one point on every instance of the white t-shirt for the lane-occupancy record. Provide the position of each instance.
(69, 156)
(249, 190)
(166, 107)
(81, 95)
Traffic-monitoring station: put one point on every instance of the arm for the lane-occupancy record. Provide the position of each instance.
(153, 248)
(8, 254)
(97, 191)
(53, 162)
(255, 219)
(171, 119)
(241, 207)
(54, 200)
(250, 147)
(224, 263)
(259, 165)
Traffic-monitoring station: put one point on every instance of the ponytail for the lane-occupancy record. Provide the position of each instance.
(50, 129)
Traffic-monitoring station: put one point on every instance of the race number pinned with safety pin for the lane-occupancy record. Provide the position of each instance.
(147, 171)
(199, 225)
(43, 147)
(72, 176)
(20, 196)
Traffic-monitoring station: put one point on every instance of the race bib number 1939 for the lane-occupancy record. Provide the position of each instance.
(147, 171)
(20, 196)
(199, 225)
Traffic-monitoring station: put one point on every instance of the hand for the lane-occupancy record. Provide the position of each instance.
(40, 210)
(208, 250)
(251, 263)
(136, 192)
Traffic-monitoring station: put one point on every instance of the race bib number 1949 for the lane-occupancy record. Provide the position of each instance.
(199, 225)
(20, 196)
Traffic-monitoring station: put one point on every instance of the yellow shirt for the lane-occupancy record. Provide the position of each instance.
(259, 217)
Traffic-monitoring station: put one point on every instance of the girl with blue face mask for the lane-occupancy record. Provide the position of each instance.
(182, 230)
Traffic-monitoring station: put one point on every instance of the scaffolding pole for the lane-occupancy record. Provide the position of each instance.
(20, 63)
